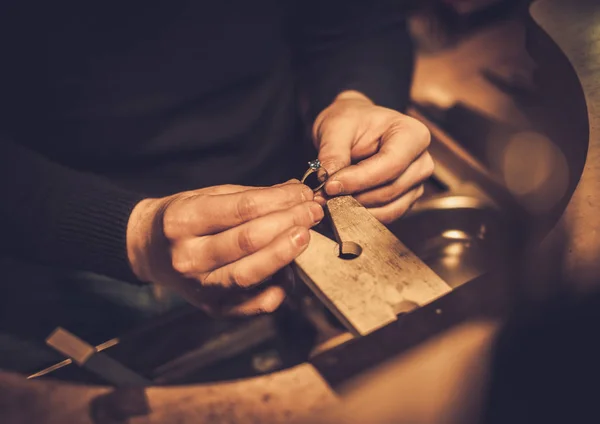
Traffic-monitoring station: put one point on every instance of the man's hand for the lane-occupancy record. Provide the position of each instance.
(377, 154)
(213, 245)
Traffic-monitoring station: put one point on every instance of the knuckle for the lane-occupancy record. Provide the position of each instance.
(247, 207)
(383, 117)
(379, 161)
(172, 221)
(298, 216)
(209, 278)
(297, 239)
(177, 217)
(419, 191)
(188, 194)
(428, 166)
(285, 256)
(387, 218)
(335, 124)
(331, 164)
(421, 132)
(182, 264)
(308, 215)
(245, 241)
(292, 193)
(385, 195)
(235, 278)
(389, 194)
(264, 307)
(383, 216)
(259, 310)
(343, 120)
(417, 130)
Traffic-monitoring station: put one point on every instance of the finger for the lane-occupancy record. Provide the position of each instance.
(292, 181)
(418, 171)
(199, 255)
(397, 208)
(210, 214)
(257, 267)
(401, 143)
(233, 188)
(224, 189)
(335, 137)
(266, 301)
(320, 198)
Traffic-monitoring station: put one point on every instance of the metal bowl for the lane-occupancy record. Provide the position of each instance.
(458, 237)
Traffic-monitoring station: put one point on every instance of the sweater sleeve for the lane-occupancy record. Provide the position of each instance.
(57, 216)
(359, 45)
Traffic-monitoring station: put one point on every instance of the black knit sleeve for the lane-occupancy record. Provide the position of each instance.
(352, 45)
(60, 217)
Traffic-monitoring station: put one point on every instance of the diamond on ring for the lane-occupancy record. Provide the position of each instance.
(314, 164)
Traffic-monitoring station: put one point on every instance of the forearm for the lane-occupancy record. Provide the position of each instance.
(56, 216)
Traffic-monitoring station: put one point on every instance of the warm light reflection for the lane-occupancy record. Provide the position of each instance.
(455, 235)
(452, 255)
(438, 95)
(535, 171)
(454, 249)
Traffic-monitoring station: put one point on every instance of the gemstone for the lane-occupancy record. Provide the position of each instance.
(314, 164)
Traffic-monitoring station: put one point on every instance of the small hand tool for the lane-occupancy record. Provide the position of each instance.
(88, 357)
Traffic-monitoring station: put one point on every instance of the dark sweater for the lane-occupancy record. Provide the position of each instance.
(106, 104)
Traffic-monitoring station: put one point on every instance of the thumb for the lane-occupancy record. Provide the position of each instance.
(334, 157)
(335, 153)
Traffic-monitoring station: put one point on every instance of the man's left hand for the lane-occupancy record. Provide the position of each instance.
(376, 154)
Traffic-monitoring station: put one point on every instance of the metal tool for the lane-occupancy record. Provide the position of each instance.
(99, 348)
(88, 357)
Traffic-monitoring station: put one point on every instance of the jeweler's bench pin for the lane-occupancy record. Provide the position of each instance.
(315, 166)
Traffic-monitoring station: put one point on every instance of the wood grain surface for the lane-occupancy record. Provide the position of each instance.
(275, 398)
(368, 291)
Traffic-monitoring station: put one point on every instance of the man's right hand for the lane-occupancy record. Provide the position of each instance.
(210, 244)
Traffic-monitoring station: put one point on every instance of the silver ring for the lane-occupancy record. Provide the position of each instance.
(315, 166)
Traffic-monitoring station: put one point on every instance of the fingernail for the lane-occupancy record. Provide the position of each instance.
(307, 193)
(320, 200)
(322, 174)
(334, 187)
(300, 237)
(316, 212)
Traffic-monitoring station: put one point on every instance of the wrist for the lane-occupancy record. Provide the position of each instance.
(141, 234)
